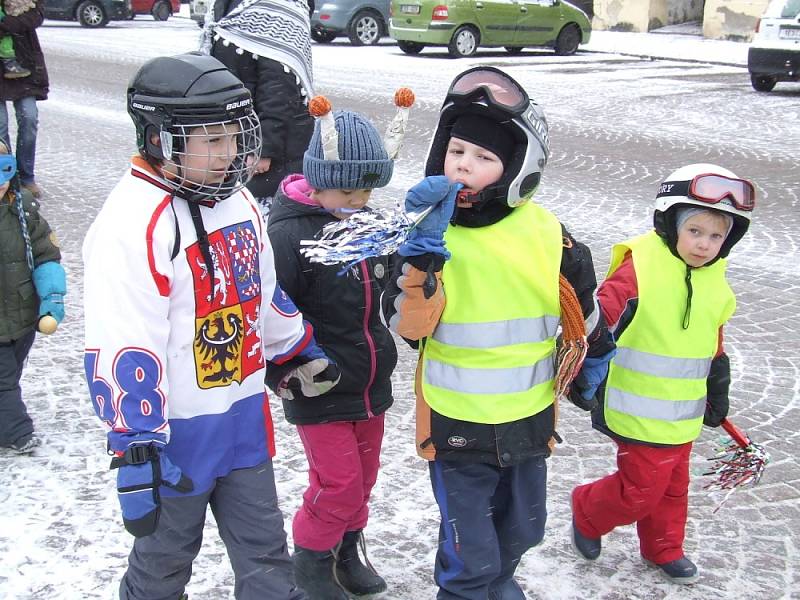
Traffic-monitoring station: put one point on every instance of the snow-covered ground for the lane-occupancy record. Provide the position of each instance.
(616, 122)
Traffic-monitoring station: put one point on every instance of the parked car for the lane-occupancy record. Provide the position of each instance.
(363, 21)
(160, 9)
(465, 25)
(197, 10)
(774, 54)
(89, 13)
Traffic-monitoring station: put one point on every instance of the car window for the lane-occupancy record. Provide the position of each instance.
(783, 9)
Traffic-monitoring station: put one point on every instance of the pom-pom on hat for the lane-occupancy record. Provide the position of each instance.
(359, 160)
(485, 133)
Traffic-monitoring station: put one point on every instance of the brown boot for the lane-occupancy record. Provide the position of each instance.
(34, 189)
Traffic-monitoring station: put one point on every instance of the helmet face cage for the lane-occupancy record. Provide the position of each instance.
(217, 172)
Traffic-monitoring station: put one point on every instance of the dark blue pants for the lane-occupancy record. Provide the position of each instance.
(27, 114)
(15, 424)
(490, 516)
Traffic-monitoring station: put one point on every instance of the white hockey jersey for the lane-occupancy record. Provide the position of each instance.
(174, 352)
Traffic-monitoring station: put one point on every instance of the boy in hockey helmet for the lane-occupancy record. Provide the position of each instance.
(666, 299)
(486, 385)
(182, 309)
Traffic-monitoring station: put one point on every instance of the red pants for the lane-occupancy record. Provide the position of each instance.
(650, 489)
(343, 461)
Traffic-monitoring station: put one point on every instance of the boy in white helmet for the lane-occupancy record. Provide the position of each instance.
(666, 299)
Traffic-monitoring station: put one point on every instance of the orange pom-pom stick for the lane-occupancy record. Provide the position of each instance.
(319, 106)
(404, 97)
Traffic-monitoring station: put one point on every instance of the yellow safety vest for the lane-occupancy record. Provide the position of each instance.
(656, 389)
(490, 359)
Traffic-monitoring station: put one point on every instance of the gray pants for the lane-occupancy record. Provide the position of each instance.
(245, 505)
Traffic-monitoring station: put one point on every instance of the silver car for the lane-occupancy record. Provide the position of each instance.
(363, 21)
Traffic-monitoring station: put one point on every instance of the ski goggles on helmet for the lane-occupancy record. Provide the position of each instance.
(491, 85)
(8, 167)
(713, 189)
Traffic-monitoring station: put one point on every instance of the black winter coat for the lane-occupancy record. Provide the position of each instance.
(286, 125)
(345, 313)
(29, 54)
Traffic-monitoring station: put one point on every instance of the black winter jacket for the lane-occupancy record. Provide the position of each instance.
(286, 125)
(345, 313)
(29, 54)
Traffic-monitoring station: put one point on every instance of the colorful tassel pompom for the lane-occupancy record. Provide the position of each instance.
(572, 350)
(404, 97)
(319, 106)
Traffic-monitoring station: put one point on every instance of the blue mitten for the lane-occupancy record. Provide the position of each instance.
(50, 282)
(592, 374)
(143, 469)
(428, 235)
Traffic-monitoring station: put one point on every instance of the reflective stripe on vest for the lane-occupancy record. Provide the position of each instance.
(490, 359)
(656, 389)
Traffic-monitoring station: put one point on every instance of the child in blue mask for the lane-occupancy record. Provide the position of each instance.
(34, 285)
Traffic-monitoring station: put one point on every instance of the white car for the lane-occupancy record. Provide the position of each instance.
(774, 54)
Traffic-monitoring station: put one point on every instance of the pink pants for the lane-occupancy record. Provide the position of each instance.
(650, 489)
(343, 462)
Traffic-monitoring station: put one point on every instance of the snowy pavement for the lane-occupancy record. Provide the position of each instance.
(619, 123)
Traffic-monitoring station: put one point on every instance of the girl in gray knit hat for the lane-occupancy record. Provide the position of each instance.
(342, 430)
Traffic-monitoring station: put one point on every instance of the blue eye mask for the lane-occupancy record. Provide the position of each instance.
(8, 167)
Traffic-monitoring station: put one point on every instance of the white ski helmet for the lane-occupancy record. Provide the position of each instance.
(706, 186)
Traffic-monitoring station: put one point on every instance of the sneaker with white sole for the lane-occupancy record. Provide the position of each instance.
(26, 446)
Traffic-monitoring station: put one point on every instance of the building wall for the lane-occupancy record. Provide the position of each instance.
(722, 19)
(732, 19)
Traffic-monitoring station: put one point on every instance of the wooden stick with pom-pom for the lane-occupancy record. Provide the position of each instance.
(396, 131)
(320, 108)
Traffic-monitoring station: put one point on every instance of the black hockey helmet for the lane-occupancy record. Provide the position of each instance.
(172, 95)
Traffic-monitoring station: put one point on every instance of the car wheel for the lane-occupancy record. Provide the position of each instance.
(323, 37)
(411, 47)
(161, 10)
(201, 23)
(365, 29)
(763, 83)
(91, 14)
(568, 40)
(514, 50)
(464, 42)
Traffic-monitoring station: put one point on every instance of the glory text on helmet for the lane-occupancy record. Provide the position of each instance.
(491, 93)
(706, 186)
(172, 98)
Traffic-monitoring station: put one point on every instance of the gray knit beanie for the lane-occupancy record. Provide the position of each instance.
(363, 162)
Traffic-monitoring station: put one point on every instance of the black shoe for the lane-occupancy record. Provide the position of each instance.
(682, 571)
(314, 573)
(588, 548)
(13, 70)
(354, 576)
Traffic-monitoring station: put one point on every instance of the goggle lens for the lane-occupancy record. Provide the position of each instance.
(502, 90)
(715, 188)
(8, 167)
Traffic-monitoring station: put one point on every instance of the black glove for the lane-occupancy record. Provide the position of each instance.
(143, 469)
(718, 384)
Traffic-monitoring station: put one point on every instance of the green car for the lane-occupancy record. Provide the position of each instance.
(464, 25)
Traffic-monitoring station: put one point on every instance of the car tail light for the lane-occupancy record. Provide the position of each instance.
(324, 17)
(758, 25)
(439, 13)
(391, 9)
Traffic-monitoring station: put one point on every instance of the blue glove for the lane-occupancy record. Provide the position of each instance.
(592, 374)
(428, 234)
(50, 282)
(143, 469)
